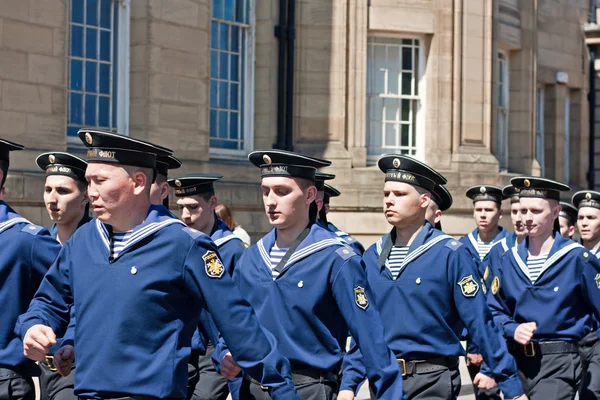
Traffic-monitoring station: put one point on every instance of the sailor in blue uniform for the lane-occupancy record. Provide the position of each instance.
(27, 253)
(587, 203)
(328, 193)
(547, 288)
(65, 197)
(309, 289)
(427, 290)
(487, 211)
(567, 219)
(138, 278)
(441, 200)
(197, 201)
(159, 191)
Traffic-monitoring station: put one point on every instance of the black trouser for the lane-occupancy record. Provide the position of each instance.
(590, 362)
(310, 385)
(207, 384)
(14, 386)
(482, 394)
(54, 386)
(440, 384)
(549, 376)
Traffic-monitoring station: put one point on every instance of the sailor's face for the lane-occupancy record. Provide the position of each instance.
(486, 214)
(64, 201)
(588, 222)
(285, 200)
(515, 217)
(537, 215)
(403, 205)
(196, 213)
(110, 189)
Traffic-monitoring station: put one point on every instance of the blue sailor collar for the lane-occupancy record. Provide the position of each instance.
(54, 230)
(560, 248)
(220, 233)
(318, 238)
(9, 217)
(473, 237)
(427, 237)
(157, 218)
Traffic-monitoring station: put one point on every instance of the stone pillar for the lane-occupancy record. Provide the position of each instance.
(170, 74)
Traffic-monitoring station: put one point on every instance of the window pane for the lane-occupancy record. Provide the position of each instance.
(224, 37)
(214, 64)
(214, 35)
(235, 40)
(105, 20)
(229, 10)
(233, 96)
(72, 131)
(224, 66)
(390, 135)
(76, 75)
(91, 43)
(77, 11)
(233, 125)
(90, 110)
(75, 109)
(407, 58)
(218, 9)
(235, 60)
(76, 41)
(223, 122)
(105, 45)
(104, 78)
(407, 83)
(213, 123)
(405, 110)
(404, 137)
(91, 12)
(223, 91)
(104, 111)
(213, 94)
(392, 110)
(91, 74)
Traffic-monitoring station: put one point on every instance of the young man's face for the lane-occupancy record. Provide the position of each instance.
(285, 200)
(112, 191)
(566, 229)
(487, 213)
(515, 217)
(64, 200)
(538, 215)
(197, 213)
(433, 213)
(403, 205)
(588, 222)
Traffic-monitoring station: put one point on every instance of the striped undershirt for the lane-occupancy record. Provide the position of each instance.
(394, 261)
(483, 248)
(119, 241)
(276, 255)
(535, 265)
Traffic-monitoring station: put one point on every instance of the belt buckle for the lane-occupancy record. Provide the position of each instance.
(49, 361)
(529, 350)
(402, 364)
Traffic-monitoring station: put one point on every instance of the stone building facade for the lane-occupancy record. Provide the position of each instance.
(482, 90)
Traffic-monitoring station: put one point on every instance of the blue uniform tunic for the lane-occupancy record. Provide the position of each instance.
(347, 238)
(230, 249)
(427, 306)
(567, 290)
(470, 243)
(320, 294)
(27, 252)
(136, 313)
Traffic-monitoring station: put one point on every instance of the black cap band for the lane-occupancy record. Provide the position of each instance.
(65, 170)
(195, 190)
(540, 193)
(122, 156)
(290, 171)
(411, 178)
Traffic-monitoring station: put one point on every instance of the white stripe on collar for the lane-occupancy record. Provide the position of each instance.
(472, 239)
(221, 241)
(504, 245)
(137, 236)
(13, 221)
(264, 253)
(423, 248)
(341, 233)
(549, 262)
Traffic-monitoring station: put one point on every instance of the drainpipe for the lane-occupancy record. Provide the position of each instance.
(289, 101)
(592, 105)
(281, 34)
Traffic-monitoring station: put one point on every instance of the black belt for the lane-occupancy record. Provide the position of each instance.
(7, 373)
(412, 367)
(131, 398)
(534, 349)
(303, 377)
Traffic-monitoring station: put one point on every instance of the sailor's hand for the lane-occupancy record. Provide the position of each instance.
(229, 368)
(37, 342)
(63, 359)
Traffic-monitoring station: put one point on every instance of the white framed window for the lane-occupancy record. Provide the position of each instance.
(395, 120)
(539, 130)
(502, 112)
(567, 149)
(231, 78)
(98, 86)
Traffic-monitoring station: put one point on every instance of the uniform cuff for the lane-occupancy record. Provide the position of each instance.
(509, 330)
(511, 387)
